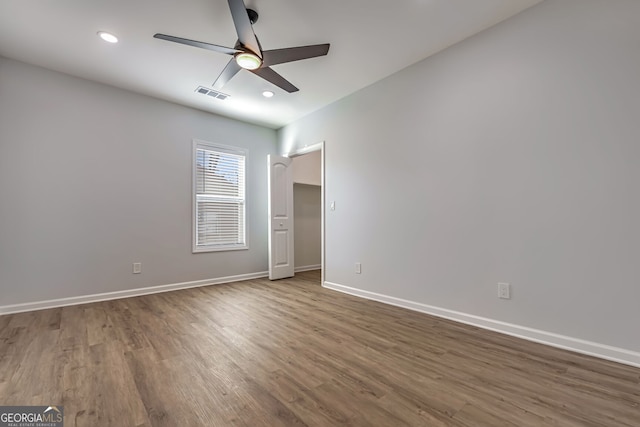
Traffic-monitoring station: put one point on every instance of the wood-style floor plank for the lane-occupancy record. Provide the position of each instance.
(291, 353)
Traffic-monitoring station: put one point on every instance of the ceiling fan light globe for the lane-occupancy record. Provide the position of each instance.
(248, 60)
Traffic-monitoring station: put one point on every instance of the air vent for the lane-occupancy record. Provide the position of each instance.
(212, 93)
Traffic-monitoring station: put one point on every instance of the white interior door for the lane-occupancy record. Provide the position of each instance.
(281, 263)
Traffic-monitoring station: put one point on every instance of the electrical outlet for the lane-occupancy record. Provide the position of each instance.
(137, 267)
(504, 290)
(358, 268)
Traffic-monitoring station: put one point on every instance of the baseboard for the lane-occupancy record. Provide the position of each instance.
(308, 268)
(85, 299)
(602, 351)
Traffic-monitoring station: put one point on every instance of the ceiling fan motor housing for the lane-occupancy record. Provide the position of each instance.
(253, 16)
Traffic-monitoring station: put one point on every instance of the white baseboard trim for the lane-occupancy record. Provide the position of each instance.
(308, 268)
(85, 299)
(602, 351)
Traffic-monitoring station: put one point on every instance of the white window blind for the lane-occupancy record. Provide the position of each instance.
(219, 197)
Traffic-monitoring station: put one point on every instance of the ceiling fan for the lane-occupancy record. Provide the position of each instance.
(248, 54)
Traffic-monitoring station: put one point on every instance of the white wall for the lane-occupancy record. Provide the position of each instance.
(94, 178)
(513, 156)
(307, 225)
(307, 168)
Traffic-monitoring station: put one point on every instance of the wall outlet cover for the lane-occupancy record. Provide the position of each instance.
(504, 290)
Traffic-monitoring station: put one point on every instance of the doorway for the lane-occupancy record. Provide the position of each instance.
(308, 202)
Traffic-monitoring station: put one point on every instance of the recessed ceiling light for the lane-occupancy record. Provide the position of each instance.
(108, 37)
(267, 94)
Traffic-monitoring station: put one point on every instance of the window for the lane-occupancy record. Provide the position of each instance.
(219, 222)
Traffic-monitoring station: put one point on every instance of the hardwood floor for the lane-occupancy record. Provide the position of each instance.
(290, 353)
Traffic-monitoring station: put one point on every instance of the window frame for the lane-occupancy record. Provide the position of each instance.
(219, 148)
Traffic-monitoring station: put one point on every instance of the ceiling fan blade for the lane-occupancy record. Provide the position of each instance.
(241, 20)
(279, 56)
(203, 45)
(229, 71)
(271, 76)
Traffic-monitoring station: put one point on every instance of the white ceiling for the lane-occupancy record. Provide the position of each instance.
(370, 39)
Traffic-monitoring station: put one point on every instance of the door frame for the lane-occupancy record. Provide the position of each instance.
(320, 146)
